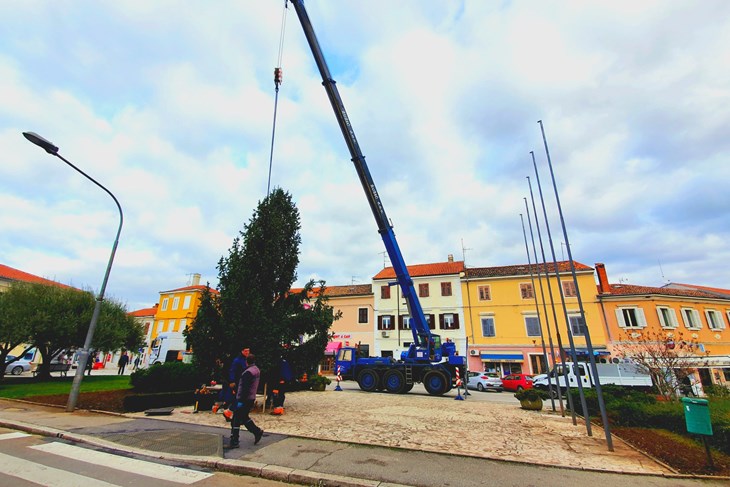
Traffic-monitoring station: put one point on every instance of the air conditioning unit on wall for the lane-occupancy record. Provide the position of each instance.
(385, 334)
(473, 352)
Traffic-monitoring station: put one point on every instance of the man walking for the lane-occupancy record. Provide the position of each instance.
(245, 398)
(234, 375)
(123, 361)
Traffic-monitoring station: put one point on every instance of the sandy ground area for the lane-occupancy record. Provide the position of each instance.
(443, 425)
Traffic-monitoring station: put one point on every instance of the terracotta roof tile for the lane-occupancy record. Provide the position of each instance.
(524, 269)
(711, 290)
(11, 274)
(191, 288)
(351, 290)
(339, 291)
(632, 290)
(423, 270)
(143, 312)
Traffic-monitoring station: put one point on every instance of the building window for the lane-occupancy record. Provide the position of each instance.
(186, 302)
(532, 325)
(423, 290)
(691, 318)
(362, 315)
(630, 317)
(667, 317)
(171, 326)
(526, 291)
(484, 293)
(183, 324)
(164, 304)
(431, 322)
(578, 327)
(569, 289)
(175, 302)
(449, 321)
(404, 322)
(159, 326)
(488, 329)
(714, 319)
(384, 292)
(385, 322)
(445, 289)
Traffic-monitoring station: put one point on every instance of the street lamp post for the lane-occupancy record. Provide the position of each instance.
(84, 356)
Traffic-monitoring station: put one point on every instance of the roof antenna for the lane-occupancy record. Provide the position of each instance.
(463, 252)
(661, 271)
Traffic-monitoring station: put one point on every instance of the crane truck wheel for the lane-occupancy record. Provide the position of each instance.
(435, 383)
(368, 380)
(553, 392)
(394, 381)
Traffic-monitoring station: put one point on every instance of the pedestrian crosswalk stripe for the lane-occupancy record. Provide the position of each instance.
(44, 475)
(12, 436)
(117, 462)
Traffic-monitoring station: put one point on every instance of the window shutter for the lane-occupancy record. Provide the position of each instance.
(620, 317)
(640, 317)
(380, 322)
(661, 317)
(456, 321)
(441, 322)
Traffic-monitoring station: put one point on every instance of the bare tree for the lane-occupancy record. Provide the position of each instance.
(668, 357)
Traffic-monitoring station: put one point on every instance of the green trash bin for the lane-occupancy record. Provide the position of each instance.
(697, 416)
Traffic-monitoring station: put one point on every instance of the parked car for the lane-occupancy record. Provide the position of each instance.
(517, 382)
(483, 381)
(18, 367)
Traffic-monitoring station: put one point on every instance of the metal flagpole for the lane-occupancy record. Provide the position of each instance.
(589, 345)
(552, 306)
(537, 306)
(574, 356)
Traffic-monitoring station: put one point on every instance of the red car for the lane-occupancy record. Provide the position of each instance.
(516, 382)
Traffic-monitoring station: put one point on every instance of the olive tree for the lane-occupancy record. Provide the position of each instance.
(55, 318)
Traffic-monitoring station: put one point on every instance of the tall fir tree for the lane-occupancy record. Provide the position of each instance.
(258, 309)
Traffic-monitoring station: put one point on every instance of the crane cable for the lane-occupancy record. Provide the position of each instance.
(277, 82)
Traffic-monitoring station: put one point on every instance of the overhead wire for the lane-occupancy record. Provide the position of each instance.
(278, 78)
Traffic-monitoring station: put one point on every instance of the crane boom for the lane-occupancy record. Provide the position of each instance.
(419, 326)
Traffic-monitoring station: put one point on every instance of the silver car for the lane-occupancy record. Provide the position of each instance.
(18, 367)
(483, 381)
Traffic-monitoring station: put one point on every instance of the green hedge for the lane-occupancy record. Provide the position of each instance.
(167, 377)
(627, 407)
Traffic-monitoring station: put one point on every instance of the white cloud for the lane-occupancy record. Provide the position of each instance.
(170, 107)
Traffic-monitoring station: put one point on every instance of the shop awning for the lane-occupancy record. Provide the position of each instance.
(584, 351)
(332, 348)
(502, 356)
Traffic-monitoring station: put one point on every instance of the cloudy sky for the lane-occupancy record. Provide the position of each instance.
(169, 104)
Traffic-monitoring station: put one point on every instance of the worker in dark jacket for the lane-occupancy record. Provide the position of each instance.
(237, 367)
(234, 375)
(245, 398)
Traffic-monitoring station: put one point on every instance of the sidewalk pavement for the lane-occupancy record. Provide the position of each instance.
(352, 438)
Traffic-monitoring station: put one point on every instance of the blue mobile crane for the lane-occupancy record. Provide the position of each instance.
(427, 360)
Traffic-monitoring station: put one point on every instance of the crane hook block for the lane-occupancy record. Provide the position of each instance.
(277, 76)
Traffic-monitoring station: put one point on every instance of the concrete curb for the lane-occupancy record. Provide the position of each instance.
(239, 467)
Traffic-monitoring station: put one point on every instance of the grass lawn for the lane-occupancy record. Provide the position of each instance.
(32, 387)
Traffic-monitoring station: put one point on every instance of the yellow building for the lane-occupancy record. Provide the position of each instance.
(177, 308)
(677, 312)
(439, 293)
(508, 320)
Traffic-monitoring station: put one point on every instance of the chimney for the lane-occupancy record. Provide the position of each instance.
(451, 257)
(196, 279)
(603, 285)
